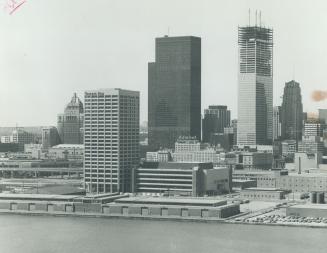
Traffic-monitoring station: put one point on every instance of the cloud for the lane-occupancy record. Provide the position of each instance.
(319, 95)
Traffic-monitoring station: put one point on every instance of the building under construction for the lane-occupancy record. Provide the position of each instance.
(255, 85)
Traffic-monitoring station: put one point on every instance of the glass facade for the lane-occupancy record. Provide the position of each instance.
(174, 91)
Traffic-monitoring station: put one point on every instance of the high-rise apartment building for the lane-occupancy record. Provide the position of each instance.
(174, 91)
(255, 85)
(292, 112)
(215, 119)
(70, 123)
(111, 139)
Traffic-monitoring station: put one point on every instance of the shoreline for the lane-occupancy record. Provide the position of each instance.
(154, 218)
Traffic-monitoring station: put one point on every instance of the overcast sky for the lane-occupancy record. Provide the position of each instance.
(50, 49)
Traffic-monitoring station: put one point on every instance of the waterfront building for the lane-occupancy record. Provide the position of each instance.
(70, 123)
(292, 111)
(174, 91)
(111, 139)
(263, 194)
(215, 119)
(50, 137)
(255, 86)
(192, 179)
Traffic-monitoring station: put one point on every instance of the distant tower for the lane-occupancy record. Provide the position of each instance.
(255, 85)
(215, 119)
(174, 91)
(292, 112)
(277, 125)
(70, 123)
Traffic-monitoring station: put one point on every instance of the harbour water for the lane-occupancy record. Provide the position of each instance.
(42, 234)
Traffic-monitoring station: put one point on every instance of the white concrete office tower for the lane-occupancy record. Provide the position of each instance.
(255, 86)
(111, 138)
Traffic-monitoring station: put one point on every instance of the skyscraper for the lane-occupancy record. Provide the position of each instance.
(255, 85)
(174, 91)
(292, 112)
(277, 125)
(111, 139)
(50, 137)
(70, 123)
(215, 119)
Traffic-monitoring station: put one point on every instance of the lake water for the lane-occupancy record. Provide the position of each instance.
(34, 234)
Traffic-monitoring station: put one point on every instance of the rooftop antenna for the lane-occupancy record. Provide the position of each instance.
(293, 71)
(249, 17)
(256, 14)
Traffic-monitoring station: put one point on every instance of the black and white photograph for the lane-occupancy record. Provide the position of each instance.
(163, 126)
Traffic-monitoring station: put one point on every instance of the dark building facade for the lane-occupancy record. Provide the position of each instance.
(292, 112)
(70, 123)
(215, 119)
(174, 91)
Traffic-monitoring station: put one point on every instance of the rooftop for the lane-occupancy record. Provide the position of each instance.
(173, 201)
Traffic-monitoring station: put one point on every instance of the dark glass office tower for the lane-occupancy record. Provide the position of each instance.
(292, 112)
(215, 119)
(174, 91)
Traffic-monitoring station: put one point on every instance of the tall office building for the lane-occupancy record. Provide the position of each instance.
(323, 116)
(292, 112)
(255, 85)
(215, 119)
(174, 91)
(277, 126)
(50, 137)
(70, 123)
(111, 139)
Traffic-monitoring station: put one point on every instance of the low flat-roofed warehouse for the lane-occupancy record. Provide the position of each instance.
(173, 201)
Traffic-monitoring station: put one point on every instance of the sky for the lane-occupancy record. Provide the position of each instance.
(51, 49)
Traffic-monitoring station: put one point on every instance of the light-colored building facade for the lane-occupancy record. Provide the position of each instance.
(277, 125)
(111, 136)
(311, 144)
(67, 152)
(192, 179)
(255, 86)
(70, 123)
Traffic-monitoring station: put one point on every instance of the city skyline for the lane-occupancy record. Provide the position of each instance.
(293, 51)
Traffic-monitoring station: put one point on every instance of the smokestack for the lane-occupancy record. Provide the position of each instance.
(299, 165)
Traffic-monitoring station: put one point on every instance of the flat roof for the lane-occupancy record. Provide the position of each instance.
(172, 201)
(311, 206)
(263, 189)
(312, 174)
(18, 196)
